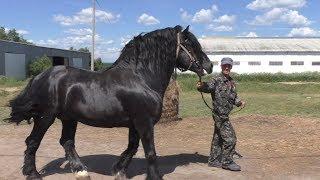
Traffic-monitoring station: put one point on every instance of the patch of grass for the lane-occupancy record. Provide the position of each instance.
(262, 98)
(3, 93)
(10, 82)
(188, 81)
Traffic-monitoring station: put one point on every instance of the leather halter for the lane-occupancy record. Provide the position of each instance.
(179, 45)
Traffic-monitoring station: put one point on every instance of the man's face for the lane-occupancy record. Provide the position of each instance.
(226, 68)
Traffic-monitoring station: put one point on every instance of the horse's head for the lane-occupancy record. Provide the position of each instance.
(189, 54)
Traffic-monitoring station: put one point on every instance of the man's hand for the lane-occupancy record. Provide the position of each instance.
(199, 84)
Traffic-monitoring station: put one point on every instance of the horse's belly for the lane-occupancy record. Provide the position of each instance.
(99, 115)
(107, 122)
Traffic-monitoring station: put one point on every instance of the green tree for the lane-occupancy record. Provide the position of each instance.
(39, 65)
(12, 35)
(98, 65)
(85, 49)
(3, 34)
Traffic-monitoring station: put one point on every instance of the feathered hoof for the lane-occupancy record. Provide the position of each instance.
(82, 175)
(120, 176)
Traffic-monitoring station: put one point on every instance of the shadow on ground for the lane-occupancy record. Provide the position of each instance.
(102, 164)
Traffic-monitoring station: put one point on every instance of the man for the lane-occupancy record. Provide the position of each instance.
(224, 97)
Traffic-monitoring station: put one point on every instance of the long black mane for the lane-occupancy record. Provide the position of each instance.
(150, 49)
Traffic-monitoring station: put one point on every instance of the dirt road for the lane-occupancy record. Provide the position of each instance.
(273, 148)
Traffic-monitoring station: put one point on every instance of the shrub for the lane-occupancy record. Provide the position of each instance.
(39, 65)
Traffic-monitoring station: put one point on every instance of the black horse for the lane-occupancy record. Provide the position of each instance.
(128, 94)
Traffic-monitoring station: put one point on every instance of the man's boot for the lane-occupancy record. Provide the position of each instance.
(232, 167)
(216, 163)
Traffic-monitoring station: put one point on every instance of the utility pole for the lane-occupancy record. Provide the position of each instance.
(93, 32)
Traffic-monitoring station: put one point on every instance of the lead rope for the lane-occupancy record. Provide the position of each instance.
(205, 102)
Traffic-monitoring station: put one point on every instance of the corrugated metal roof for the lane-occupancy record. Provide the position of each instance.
(243, 44)
(33, 45)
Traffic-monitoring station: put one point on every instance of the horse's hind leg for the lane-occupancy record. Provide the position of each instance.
(120, 168)
(67, 141)
(40, 127)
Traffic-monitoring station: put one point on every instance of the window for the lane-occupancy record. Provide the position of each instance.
(254, 63)
(275, 63)
(297, 63)
(236, 63)
(316, 63)
(215, 63)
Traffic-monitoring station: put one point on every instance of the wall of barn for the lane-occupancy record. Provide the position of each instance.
(270, 63)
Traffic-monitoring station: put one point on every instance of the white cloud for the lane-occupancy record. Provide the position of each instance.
(226, 20)
(22, 32)
(146, 19)
(290, 17)
(185, 16)
(295, 19)
(223, 23)
(107, 54)
(102, 49)
(269, 17)
(203, 16)
(109, 42)
(125, 40)
(252, 34)
(220, 28)
(85, 17)
(303, 32)
(269, 4)
(79, 32)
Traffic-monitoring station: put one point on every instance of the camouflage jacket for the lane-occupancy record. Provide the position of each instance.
(223, 93)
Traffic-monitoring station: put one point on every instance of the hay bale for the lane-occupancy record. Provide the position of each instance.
(170, 109)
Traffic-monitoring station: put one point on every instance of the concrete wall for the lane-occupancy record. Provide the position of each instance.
(265, 59)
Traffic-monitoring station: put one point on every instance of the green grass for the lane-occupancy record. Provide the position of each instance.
(187, 81)
(262, 98)
(10, 82)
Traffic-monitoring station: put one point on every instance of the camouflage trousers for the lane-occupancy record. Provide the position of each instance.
(223, 142)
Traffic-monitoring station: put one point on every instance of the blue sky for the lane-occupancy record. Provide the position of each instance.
(66, 23)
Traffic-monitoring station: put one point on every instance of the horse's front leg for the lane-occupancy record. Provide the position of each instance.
(119, 169)
(147, 139)
(67, 141)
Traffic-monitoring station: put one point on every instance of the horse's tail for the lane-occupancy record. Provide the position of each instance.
(21, 106)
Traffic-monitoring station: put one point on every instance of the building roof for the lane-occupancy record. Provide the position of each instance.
(32, 45)
(260, 44)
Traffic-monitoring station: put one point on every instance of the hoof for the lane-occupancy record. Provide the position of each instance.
(120, 176)
(34, 176)
(82, 175)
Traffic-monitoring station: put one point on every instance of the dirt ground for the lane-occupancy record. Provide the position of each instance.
(273, 148)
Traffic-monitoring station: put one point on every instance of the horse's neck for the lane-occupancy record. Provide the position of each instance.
(158, 79)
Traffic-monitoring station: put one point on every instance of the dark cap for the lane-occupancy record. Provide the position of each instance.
(226, 60)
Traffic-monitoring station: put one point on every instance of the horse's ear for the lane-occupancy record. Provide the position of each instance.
(187, 29)
(178, 28)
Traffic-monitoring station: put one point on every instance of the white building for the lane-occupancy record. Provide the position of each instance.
(269, 55)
